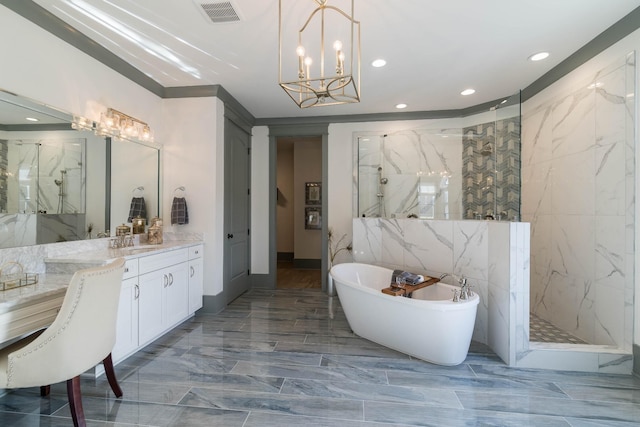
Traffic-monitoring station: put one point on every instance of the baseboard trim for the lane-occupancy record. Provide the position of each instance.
(307, 264)
(285, 256)
(212, 304)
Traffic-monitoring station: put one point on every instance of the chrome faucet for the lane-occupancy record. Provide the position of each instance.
(465, 291)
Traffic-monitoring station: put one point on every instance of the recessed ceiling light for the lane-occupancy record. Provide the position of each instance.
(539, 56)
(379, 63)
(32, 119)
(468, 92)
(401, 106)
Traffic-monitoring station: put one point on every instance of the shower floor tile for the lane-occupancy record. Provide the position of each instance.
(542, 331)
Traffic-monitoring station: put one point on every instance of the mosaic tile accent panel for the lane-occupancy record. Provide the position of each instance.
(491, 169)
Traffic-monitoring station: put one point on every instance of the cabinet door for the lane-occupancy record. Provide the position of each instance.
(127, 324)
(152, 286)
(176, 295)
(196, 284)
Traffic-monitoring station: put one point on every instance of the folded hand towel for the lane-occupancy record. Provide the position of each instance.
(138, 208)
(179, 212)
(400, 277)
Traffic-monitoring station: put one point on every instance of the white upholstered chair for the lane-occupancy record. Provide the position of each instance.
(81, 336)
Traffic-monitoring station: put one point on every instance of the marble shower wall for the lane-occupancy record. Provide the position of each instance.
(578, 194)
(422, 170)
(493, 255)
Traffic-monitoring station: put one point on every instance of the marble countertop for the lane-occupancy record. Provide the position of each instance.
(48, 286)
(101, 256)
(54, 284)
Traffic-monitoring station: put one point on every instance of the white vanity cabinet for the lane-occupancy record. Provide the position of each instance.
(164, 293)
(196, 279)
(159, 290)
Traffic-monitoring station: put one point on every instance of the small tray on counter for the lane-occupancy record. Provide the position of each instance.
(16, 280)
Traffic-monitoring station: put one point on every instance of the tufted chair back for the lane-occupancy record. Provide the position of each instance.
(81, 336)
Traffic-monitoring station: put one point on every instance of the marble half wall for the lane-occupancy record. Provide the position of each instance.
(493, 255)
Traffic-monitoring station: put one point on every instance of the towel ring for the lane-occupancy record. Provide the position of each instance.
(179, 189)
(140, 189)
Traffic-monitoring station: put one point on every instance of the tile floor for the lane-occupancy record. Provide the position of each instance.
(287, 358)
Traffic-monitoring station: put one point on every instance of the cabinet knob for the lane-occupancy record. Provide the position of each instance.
(137, 295)
(229, 236)
(193, 271)
(197, 252)
(166, 280)
(126, 269)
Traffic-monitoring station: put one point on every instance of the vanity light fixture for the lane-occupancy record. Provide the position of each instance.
(467, 92)
(120, 125)
(314, 77)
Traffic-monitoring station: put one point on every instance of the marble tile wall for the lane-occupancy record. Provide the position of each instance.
(493, 255)
(578, 187)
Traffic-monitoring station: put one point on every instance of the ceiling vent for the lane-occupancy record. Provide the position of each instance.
(219, 12)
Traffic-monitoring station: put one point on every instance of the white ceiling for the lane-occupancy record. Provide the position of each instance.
(433, 49)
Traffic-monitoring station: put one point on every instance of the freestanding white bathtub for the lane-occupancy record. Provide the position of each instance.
(429, 326)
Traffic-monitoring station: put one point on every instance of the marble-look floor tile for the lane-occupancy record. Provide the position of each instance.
(299, 367)
(267, 419)
(309, 372)
(286, 404)
(589, 409)
(147, 414)
(602, 393)
(493, 386)
(426, 416)
(272, 357)
(374, 392)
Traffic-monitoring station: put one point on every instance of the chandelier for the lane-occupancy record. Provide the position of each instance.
(313, 77)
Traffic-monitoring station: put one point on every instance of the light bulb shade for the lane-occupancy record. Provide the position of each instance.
(122, 126)
(333, 76)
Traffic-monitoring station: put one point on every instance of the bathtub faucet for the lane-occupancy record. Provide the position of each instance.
(465, 288)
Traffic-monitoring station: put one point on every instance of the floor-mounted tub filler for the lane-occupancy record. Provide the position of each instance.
(430, 325)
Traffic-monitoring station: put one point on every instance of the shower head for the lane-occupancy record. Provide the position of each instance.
(383, 180)
(58, 182)
(379, 168)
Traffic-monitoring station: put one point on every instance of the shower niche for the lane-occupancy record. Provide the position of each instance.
(42, 191)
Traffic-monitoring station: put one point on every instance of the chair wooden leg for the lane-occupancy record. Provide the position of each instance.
(111, 376)
(75, 402)
(45, 390)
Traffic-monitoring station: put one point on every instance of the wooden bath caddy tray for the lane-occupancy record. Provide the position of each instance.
(407, 290)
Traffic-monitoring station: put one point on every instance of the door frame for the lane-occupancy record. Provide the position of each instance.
(303, 131)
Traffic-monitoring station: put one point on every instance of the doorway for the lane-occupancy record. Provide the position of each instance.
(319, 132)
(298, 211)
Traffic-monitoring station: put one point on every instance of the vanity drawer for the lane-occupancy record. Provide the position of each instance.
(195, 251)
(130, 269)
(150, 263)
